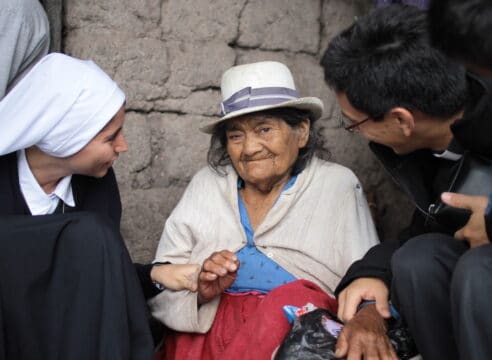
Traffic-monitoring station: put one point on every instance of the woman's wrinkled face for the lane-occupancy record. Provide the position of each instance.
(263, 148)
(98, 155)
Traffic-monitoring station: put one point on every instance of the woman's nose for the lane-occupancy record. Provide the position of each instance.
(120, 144)
(251, 144)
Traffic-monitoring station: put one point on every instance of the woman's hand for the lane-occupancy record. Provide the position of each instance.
(176, 276)
(218, 272)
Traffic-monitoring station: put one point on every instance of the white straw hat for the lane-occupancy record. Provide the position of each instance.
(258, 87)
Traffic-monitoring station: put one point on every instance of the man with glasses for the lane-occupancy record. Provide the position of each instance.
(349, 124)
(412, 103)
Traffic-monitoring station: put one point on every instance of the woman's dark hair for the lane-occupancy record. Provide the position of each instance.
(385, 60)
(218, 157)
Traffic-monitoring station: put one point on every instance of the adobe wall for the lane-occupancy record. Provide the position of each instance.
(168, 56)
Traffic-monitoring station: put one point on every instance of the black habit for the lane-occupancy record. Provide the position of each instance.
(68, 288)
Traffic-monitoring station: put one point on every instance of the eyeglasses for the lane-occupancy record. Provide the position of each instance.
(349, 124)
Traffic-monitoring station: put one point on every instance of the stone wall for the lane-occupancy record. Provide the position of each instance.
(54, 9)
(168, 56)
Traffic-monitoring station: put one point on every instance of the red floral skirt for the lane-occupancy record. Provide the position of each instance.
(246, 326)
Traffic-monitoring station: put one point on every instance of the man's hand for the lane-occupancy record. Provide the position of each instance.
(360, 290)
(364, 337)
(218, 272)
(474, 231)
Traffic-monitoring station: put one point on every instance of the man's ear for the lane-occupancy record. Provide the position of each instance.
(303, 132)
(404, 119)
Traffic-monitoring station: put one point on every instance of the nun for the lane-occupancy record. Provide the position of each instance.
(24, 39)
(68, 288)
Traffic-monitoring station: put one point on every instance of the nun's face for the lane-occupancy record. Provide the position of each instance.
(98, 155)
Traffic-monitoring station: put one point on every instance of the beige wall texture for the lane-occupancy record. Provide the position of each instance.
(168, 56)
(54, 10)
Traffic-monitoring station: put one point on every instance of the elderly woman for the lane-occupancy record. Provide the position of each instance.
(68, 289)
(271, 223)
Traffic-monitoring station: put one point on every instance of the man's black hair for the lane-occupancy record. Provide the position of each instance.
(385, 60)
(463, 29)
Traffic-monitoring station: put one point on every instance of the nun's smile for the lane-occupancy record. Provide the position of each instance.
(99, 154)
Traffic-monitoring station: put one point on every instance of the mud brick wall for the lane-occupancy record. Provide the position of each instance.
(168, 56)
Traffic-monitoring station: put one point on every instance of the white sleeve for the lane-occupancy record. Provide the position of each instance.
(355, 232)
(179, 310)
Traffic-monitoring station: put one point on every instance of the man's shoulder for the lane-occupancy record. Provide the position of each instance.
(474, 129)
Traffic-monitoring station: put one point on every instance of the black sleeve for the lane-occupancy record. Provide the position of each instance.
(488, 225)
(377, 261)
(148, 287)
(375, 264)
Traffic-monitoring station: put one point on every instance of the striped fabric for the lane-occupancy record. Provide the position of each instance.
(422, 4)
(249, 97)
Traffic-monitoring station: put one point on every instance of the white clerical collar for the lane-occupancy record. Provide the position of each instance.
(37, 200)
(448, 155)
(454, 151)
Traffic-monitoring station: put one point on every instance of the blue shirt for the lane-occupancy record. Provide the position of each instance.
(257, 272)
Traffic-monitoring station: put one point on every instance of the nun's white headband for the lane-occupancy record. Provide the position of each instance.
(59, 106)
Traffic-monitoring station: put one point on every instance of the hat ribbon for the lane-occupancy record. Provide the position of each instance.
(249, 97)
